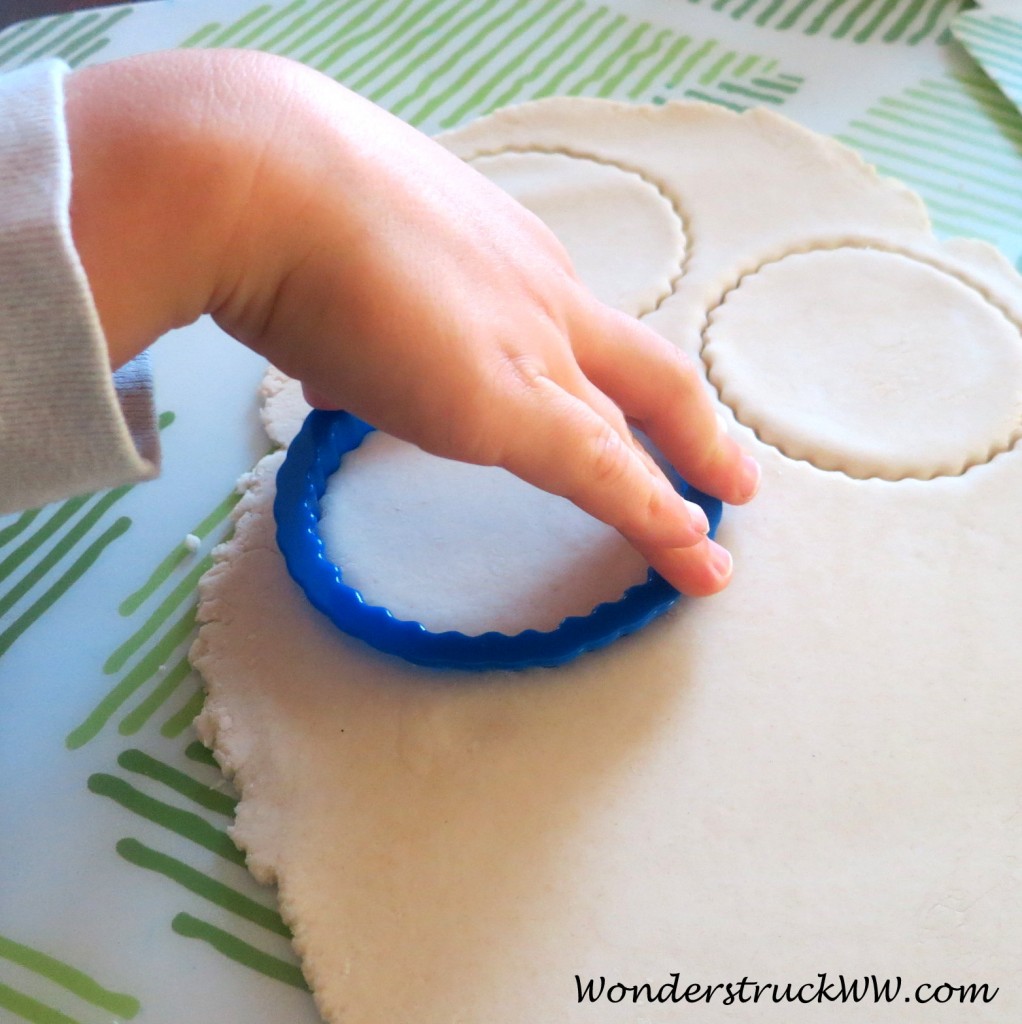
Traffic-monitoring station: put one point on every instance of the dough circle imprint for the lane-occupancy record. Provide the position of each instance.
(632, 254)
(869, 362)
(566, 592)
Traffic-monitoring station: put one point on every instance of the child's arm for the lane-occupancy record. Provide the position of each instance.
(392, 280)
(64, 429)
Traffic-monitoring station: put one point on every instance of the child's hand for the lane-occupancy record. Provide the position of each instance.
(391, 279)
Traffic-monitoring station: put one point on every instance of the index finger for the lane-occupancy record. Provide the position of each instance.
(659, 388)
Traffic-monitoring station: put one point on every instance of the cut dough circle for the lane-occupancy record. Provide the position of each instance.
(632, 254)
(467, 548)
(868, 362)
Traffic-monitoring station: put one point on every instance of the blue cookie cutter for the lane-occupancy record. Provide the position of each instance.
(316, 454)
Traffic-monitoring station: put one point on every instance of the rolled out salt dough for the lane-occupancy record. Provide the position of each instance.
(817, 771)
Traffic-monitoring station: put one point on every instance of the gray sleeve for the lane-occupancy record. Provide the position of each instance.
(67, 425)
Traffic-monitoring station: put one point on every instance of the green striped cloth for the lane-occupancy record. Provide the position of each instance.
(995, 41)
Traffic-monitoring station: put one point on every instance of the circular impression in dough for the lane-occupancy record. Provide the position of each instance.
(868, 362)
(631, 254)
(467, 548)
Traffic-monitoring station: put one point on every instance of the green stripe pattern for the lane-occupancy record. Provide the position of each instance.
(240, 951)
(44, 552)
(151, 663)
(439, 63)
(27, 1008)
(39, 567)
(995, 41)
(188, 804)
(957, 140)
(203, 885)
(180, 791)
(72, 37)
(56, 972)
(857, 21)
(184, 823)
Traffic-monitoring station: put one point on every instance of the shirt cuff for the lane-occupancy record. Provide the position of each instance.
(67, 425)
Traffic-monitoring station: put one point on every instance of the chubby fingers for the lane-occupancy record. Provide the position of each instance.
(659, 388)
(698, 571)
(578, 445)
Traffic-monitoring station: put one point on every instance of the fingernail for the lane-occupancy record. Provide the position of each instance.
(720, 559)
(698, 517)
(750, 476)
